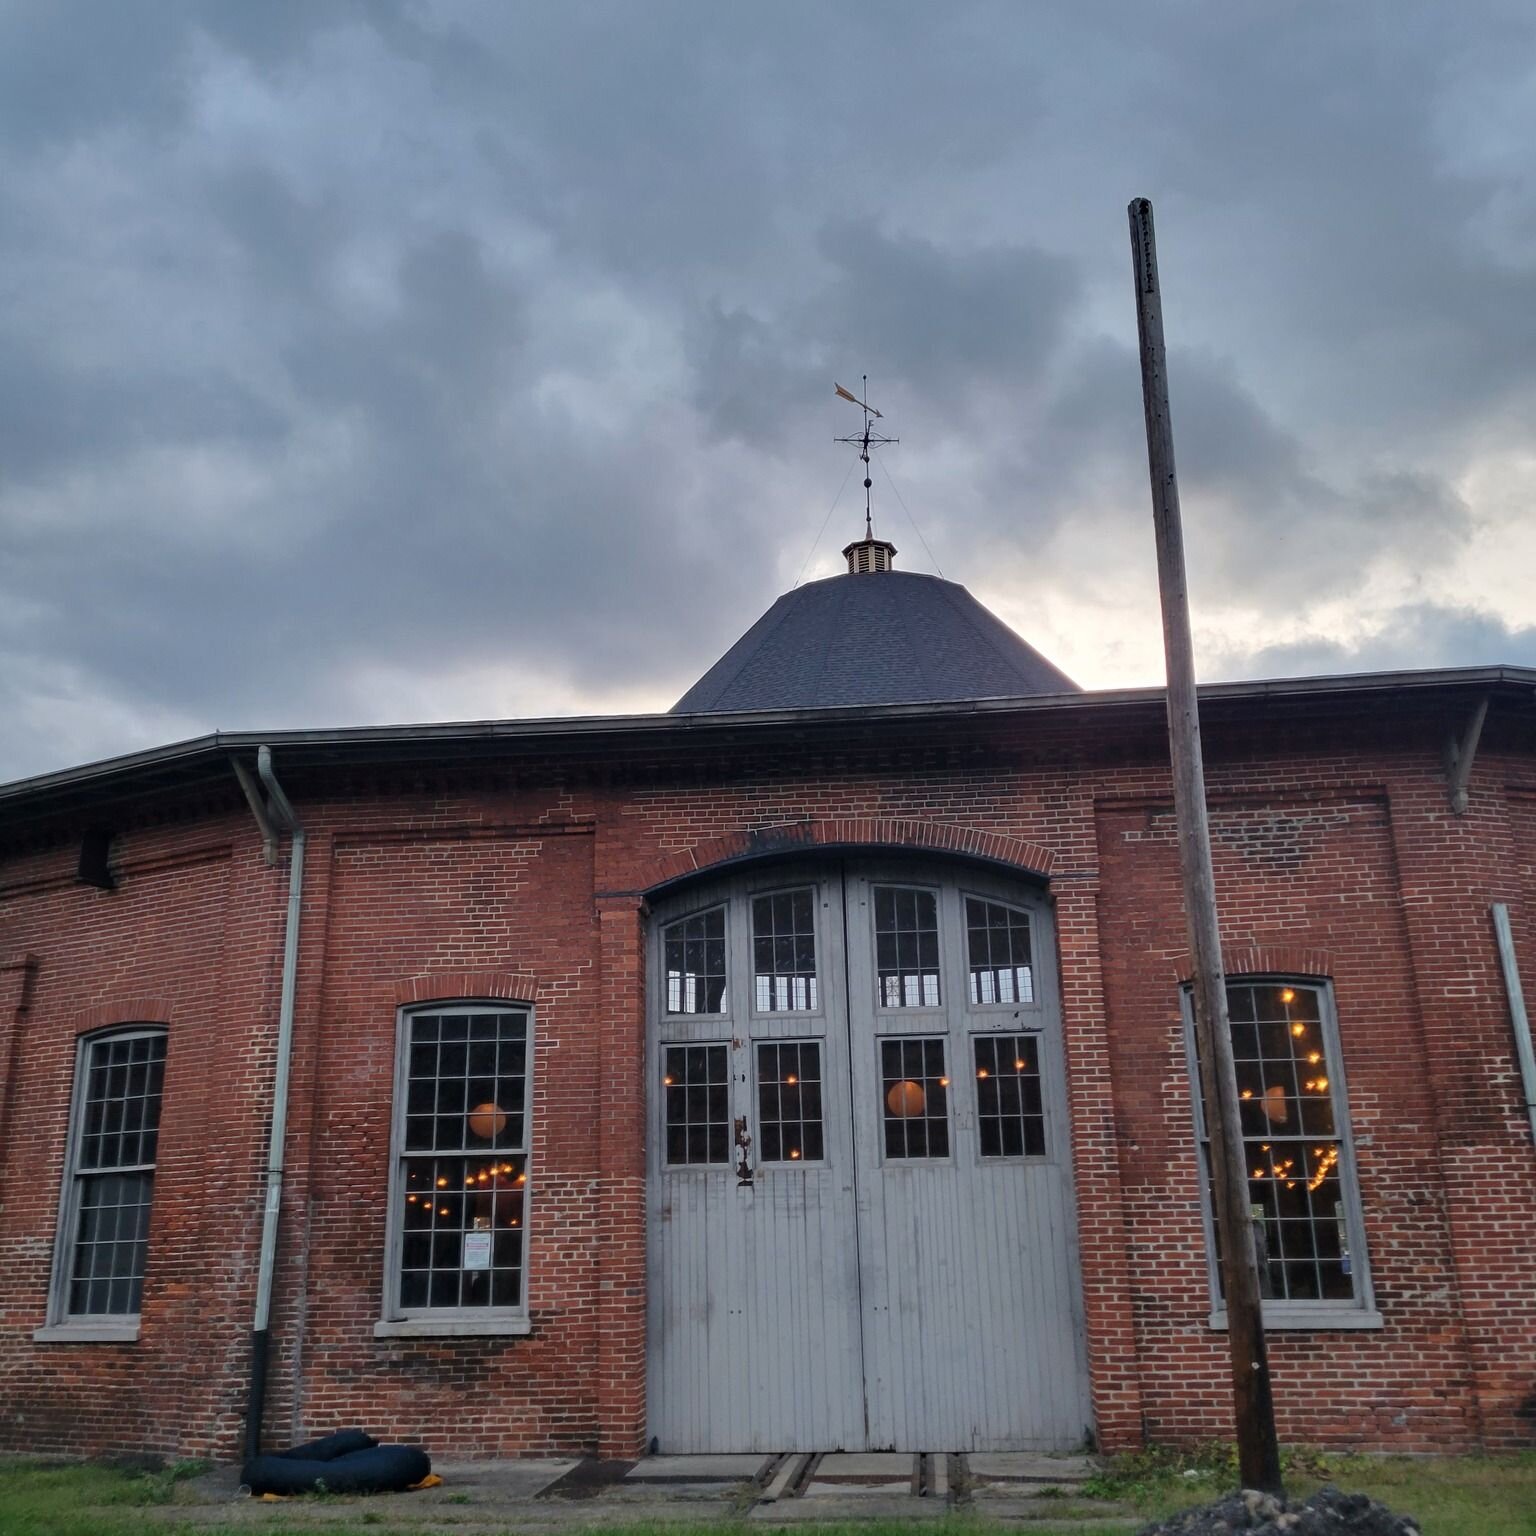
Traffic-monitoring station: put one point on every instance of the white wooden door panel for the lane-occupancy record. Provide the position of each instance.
(916, 1286)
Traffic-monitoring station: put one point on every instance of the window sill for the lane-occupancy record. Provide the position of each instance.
(1323, 1319)
(452, 1327)
(88, 1333)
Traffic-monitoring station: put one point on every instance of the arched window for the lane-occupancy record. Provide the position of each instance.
(108, 1183)
(1303, 1194)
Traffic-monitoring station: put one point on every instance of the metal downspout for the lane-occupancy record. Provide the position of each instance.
(1517, 1014)
(280, 811)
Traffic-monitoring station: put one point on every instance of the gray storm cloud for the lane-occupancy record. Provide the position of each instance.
(365, 360)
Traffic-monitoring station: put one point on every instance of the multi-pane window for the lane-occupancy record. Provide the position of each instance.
(998, 954)
(784, 952)
(694, 961)
(696, 1099)
(1300, 1185)
(914, 1098)
(907, 947)
(1010, 1110)
(462, 1191)
(112, 1173)
(789, 1101)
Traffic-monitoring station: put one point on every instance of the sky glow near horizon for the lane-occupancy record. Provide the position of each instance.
(411, 361)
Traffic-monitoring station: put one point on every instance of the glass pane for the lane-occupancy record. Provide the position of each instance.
(1285, 1095)
(696, 1101)
(789, 1101)
(461, 1231)
(906, 947)
(784, 953)
(914, 1098)
(110, 1247)
(468, 1093)
(694, 961)
(1010, 1110)
(121, 1112)
(998, 953)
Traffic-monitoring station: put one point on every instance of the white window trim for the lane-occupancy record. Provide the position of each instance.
(397, 1322)
(63, 1326)
(1287, 1315)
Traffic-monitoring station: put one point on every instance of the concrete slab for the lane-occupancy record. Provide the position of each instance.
(697, 1469)
(881, 1465)
(854, 1491)
(499, 1480)
(1028, 1466)
(625, 1492)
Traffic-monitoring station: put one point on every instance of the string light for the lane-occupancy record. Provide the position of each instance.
(1298, 1030)
(1287, 995)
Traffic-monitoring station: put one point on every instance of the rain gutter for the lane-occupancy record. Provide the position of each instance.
(1517, 1014)
(274, 816)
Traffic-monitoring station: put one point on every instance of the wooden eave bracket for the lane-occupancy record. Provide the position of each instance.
(1459, 757)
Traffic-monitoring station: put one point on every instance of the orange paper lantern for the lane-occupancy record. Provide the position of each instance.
(906, 1100)
(487, 1120)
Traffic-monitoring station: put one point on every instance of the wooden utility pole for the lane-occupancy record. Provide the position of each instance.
(1258, 1450)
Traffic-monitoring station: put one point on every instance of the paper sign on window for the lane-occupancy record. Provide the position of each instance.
(477, 1250)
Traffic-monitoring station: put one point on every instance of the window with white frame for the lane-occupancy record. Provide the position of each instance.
(110, 1176)
(1302, 1191)
(458, 1232)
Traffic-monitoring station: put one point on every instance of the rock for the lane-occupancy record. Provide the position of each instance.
(1329, 1512)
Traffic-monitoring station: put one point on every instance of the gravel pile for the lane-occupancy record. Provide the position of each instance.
(1327, 1513)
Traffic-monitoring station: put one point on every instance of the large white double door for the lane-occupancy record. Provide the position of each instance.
(861, 1228)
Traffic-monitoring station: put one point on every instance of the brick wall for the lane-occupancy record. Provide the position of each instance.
(1335, 853)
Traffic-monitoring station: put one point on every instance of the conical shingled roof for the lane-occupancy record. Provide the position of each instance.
(891, 637)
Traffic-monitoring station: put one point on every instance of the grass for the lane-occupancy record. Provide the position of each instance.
(1449, 1496)
(1446, 1495)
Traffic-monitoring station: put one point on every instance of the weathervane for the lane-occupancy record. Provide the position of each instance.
(864, 440)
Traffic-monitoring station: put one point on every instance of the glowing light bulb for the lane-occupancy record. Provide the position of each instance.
(1298, 1029)
(442, 1183)
(794, 1152)
(982, 1072)
(791, 1079)
(1018, 1064)
(1247, 1093)
(667, 1080)
(1287, 995)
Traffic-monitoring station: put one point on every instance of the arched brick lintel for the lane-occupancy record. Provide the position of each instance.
(1266, 960)
(443, 986)
(801, 836)
(123, 1012)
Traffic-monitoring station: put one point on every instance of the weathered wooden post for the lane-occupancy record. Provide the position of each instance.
(1258, 1450)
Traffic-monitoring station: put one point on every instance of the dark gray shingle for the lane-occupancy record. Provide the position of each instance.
(891, 637)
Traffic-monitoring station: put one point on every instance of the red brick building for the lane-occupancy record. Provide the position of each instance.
(805, 1068)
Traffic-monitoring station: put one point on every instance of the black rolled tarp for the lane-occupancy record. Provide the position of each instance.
(346, 1462)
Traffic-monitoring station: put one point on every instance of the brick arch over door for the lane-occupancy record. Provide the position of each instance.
(865, 833)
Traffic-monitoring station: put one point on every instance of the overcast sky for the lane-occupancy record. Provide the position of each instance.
(379, 362)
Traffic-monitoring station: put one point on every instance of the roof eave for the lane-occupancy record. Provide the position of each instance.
(375, 742)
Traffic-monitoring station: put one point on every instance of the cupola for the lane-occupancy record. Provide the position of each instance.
(866, 555)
